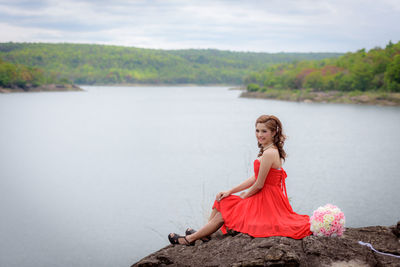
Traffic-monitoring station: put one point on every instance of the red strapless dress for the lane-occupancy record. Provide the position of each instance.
(266, 213)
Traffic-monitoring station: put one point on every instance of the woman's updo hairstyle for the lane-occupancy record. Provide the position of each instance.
(275, 126)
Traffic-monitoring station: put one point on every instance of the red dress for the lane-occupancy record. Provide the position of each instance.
(266, 213)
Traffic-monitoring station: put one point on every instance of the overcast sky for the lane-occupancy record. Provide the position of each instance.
(262, 26)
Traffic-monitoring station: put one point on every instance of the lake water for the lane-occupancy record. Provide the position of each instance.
(99, 178)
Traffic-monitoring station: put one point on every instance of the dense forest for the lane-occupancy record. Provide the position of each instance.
(102, 64)
(377, 69)
(21, 76)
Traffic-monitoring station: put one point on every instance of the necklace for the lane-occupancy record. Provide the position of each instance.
(265, 148)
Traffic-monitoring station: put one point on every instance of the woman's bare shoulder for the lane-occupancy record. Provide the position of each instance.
(272, 155)
(270, 152)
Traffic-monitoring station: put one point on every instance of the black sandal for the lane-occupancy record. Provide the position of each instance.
(191, 231)
(174, 240)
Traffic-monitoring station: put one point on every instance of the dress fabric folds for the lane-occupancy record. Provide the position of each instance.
(266, 213)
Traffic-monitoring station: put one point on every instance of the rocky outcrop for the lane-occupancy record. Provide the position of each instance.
(242, 250)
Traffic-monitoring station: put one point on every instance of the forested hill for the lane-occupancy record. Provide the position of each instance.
(102, 64)
(376, 69)
(19, 76)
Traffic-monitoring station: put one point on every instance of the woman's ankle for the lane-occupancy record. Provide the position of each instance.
(190, 238)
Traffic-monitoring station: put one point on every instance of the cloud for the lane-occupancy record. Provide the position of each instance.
(271, 26)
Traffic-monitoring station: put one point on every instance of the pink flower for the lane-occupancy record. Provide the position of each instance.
(334, 222)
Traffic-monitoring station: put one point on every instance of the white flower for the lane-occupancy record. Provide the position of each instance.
(328, 218)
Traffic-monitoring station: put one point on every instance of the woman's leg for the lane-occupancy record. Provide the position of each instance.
(212, 226)
(213, 213)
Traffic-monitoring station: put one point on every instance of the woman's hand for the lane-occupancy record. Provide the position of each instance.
(243, 195)
(222, 195)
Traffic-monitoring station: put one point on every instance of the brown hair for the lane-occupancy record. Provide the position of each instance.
(275, 126)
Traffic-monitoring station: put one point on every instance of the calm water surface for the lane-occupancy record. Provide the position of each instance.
(99, 178)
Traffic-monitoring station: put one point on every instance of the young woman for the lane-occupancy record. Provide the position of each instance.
(263, 210)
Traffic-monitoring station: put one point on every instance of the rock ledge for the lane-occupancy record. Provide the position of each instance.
(239, 249)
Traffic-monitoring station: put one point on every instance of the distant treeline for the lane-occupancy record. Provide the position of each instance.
(377, 69)
(101, 64)
(21, 76)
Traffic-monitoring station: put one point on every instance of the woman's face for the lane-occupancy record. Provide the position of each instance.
(263, 134)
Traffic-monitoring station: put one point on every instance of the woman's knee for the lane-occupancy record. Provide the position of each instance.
(218, 217)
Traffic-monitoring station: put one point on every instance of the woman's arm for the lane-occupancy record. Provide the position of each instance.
(246, 184)
(266, 163)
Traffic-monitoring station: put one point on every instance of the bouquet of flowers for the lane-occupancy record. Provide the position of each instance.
(327, 221)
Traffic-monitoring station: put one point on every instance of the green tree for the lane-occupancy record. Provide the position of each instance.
(253, 87)
(392, 75)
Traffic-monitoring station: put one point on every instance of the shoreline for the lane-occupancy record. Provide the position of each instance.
(305, 96)
(162, 85)
(43, 88)
(363, 98)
